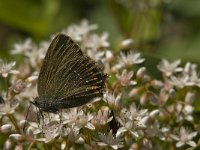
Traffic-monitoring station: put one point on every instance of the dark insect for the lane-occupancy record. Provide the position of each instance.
(68, 78)
(113, 124)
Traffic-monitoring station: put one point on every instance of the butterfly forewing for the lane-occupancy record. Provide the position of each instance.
(68, 77)
(61, 51)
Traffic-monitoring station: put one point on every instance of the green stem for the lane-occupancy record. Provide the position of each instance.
(13, 120)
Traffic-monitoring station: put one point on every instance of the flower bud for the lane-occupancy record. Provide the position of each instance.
(141, 72)
(6, 128)
(157, 84)
(17, 137)
(7, 145)
(126, 43)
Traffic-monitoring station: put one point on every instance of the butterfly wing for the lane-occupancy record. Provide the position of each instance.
(61, 51)
(67, 75)
(85, 82)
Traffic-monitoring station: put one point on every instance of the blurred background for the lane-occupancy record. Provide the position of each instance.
(159, 28)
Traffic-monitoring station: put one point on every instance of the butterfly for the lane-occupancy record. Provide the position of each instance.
(68, 77)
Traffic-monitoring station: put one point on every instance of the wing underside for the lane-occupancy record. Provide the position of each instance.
(68, 74)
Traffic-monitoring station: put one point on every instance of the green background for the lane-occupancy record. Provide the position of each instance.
(160, 28)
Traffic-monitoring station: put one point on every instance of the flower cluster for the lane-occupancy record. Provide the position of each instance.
(137, 110)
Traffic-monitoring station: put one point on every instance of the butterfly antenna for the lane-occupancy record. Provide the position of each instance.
(26, 117)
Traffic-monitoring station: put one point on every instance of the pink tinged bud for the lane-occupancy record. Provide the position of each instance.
(134, 92)
(17, 137)
(19, 86)
(141, 73)
(157, 84)
(126, 43)
(7, 145)
(143, 99)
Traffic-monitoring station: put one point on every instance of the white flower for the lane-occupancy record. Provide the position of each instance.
(139, 116)
(189, 67)
(35, 56)
(77, 32)
(51, 131)
(96, 55)
(5, 69)
(128, 126)
(78, 118)
(169, 68)
(22, 47)
(184, 137)
(180, 81)
(129, 59)
(194, 79)
(133, 120)
(8, 107)
(110, 140)
(95, 42)
(18, 86)
(125, 78)
(112, 99)
(102, 117)
(72, 134)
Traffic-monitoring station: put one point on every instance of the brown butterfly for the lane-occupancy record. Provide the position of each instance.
(68, 77)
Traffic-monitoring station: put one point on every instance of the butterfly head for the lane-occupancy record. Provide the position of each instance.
(44, 105)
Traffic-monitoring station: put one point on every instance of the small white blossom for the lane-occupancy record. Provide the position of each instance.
(189, 68)
(180, 81)
(5, 69)
(133, 121)
(72, 134)
(79, 118)
(35, 57)
(194, 79)
(21, 48)
(129, 59)
(112, 99)
(110, 140)
(102, 117)
(8, 107)
(51, 131)
(185, 137)
(78, 32)
(168, 68)
(96, 42)
(125, 78)
(96, 55)
(18, 86)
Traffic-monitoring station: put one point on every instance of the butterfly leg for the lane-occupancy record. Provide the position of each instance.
(60, 117)
(42, 116)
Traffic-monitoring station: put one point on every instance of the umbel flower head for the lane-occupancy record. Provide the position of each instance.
(137, 111)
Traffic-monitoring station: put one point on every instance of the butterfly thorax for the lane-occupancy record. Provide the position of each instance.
(44, 105)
